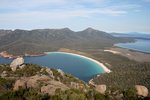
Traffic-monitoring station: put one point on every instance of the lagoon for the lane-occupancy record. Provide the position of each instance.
(78, 66)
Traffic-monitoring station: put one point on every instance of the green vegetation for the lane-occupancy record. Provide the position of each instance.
(22, 94)
(6, 84)
(130, 94)
(127, 76)
(71, 94)
(31, 94)
(84, 93)
(4, 67)
(125, 73)
(28, 70)
(67, 78)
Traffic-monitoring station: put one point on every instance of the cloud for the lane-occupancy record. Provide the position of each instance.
(29, 4)
(25, 10)
(59, 14)
(89, 1)
(63, 7)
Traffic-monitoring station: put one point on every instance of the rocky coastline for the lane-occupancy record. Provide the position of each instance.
(5, 54)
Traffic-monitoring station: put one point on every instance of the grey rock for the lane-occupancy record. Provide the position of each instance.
(101, 88)
(61, 72)
(141, 90)
(31, 82)
(50, 72)
(42, 69)
(4, 74)
(16, 63)
(52, 86)
(19, 84)
(74, 85)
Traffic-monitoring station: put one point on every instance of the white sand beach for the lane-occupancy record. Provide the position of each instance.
(100, 64)
(112, 51)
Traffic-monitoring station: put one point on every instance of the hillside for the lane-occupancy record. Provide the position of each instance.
(41, 40)
(33, 82)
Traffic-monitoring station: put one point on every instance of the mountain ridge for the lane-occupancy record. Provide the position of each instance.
(41, 40)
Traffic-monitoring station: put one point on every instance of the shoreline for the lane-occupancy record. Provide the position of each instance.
(5, 54)
(106, 70)
(130, 54)
(34, 55)
(133, 50)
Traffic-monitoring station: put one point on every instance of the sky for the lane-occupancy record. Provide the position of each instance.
(104, 15)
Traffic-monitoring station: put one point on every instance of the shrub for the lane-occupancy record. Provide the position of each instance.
(130, 94)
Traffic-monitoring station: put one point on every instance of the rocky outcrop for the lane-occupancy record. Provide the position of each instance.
(141, 90)
(101, 88)
(61, 72)
(31, 82)
(5, 54)
(20, 84)
(41, 83)
(52, 86)
(17, 63)
(48, 70)
(4, 74)
(74, 85)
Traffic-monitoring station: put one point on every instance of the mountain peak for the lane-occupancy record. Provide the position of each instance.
(89, 30)
(66, 29)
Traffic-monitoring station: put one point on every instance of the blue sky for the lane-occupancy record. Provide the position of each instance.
(105, 15)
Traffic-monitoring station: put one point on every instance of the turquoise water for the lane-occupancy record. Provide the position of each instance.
(80, 67)
(139, 45)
